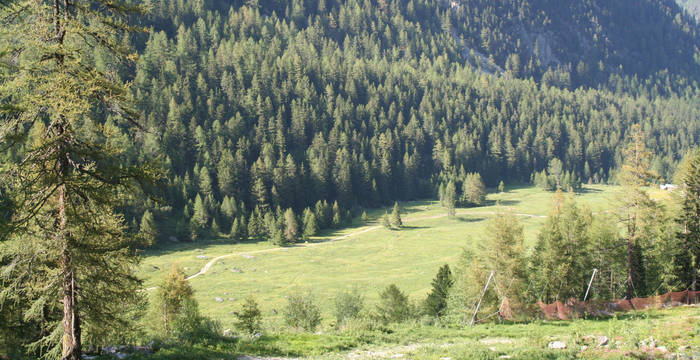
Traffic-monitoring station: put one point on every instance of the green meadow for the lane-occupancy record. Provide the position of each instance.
(367, 256)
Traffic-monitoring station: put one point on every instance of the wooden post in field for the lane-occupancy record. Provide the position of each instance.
(589, 285)
(481, 298)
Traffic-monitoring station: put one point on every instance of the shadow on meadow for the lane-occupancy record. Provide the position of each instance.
(501, 202)
(469, 219)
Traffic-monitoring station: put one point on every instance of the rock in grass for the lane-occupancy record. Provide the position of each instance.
(218, 299)
(602, 341)
(557, 345)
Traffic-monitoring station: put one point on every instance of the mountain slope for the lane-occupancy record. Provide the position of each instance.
(589, 38)
(265, 106)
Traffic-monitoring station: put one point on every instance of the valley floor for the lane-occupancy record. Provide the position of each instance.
(368, 257)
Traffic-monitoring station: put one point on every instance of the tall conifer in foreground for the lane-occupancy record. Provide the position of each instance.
(72, 263)
(637, 208)
(689, 250)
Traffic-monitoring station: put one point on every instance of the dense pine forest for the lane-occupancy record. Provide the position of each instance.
(136, 125)
(266, 106)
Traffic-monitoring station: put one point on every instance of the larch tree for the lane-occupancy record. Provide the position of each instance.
(503, 251)
(450, 199)
(473, 190)
(172, 294)
(291, 227)
(148, 230)
(310, 224)
(637, 208)
(396, 216)
(560, 265)
(72, 263)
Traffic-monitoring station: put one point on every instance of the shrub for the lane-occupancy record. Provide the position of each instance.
(302, 312)
(348, 305)
(248, 319)
(394, 306)
(191, 327)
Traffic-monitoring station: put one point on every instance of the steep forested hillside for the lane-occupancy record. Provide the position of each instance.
(261, 106)
(265, 106)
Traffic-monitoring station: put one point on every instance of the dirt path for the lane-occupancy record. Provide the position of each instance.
(409, 219)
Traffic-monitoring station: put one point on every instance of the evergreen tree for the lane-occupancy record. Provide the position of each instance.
(256, 225)
(199, 220)
(235, 233)
(450, 199)
(148, 231)
(249, 317)
(561, 263)
(310, 224)
(436, 302)
(502, 250)
(386, 222)
(608, 257)
(473, 191)
(291, 228)
(65, 181)
(337, 220)
(688, 252)
(638, 209)
(396, 217)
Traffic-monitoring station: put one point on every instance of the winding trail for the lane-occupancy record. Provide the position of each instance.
(213, 261)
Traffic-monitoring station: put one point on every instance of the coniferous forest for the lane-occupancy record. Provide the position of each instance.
(266, 106)
(147, 123)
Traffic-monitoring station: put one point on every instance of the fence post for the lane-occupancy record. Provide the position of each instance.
(481, 298)
(589, 284)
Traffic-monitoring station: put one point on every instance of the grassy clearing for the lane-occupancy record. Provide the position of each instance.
(373, 257)
(369, 260)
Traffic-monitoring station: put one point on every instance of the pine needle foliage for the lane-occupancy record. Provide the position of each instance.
(71, 262)
(436, 302)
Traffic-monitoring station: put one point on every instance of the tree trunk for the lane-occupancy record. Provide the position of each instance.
(630, 259)
(72, 348)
